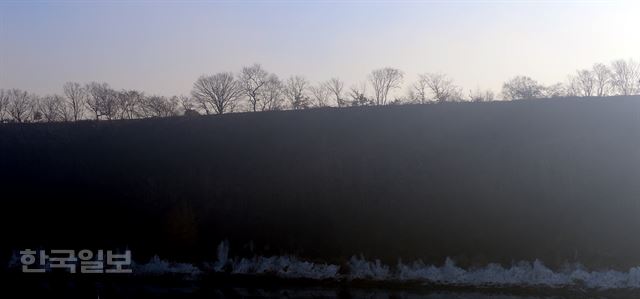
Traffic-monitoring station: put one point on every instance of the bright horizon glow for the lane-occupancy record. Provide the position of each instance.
(163, 47)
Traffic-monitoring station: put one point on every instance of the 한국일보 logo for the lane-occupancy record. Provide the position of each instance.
(83, 261)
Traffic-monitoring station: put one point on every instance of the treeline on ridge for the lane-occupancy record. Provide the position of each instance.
(256, 89)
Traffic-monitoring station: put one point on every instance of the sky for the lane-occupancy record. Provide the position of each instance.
(162, 47)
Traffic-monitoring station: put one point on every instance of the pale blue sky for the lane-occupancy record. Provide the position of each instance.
(161, 47)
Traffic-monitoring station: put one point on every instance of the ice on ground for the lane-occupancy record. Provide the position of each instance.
(223, 256)
(360, 268)
(281, 266)
(284, 266)
(157, 266)
(525, 274)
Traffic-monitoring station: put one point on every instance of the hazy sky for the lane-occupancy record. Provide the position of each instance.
(161, 47)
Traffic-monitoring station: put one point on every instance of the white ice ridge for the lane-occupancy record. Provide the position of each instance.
(522, 274)
(282, 266)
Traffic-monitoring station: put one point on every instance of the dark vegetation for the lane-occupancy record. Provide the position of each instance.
(555, 180)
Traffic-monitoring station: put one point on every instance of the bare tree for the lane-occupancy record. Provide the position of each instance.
(252, 80)
(522, 88)
(202, 103)
(272, 94)
(602, 78)
(358, 95)
(625, 76)
(219, 92)
(65, 111)
(76, 98)
(110, 105)
(481, 95)
(158, 106)
(418, 93)
(188, 105)
(583, 84)
(335, 87)
(4, 102)
(94, 95)
(557, 90)
(52, 107)
(129, 104)
(295, 92)
(19, 105)
(34, 102)
(186, 102)
(172, 106)
(441, 87)
(101, 100)
(320, 95)
(383, 81)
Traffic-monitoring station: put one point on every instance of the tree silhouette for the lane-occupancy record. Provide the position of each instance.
(383, 81)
